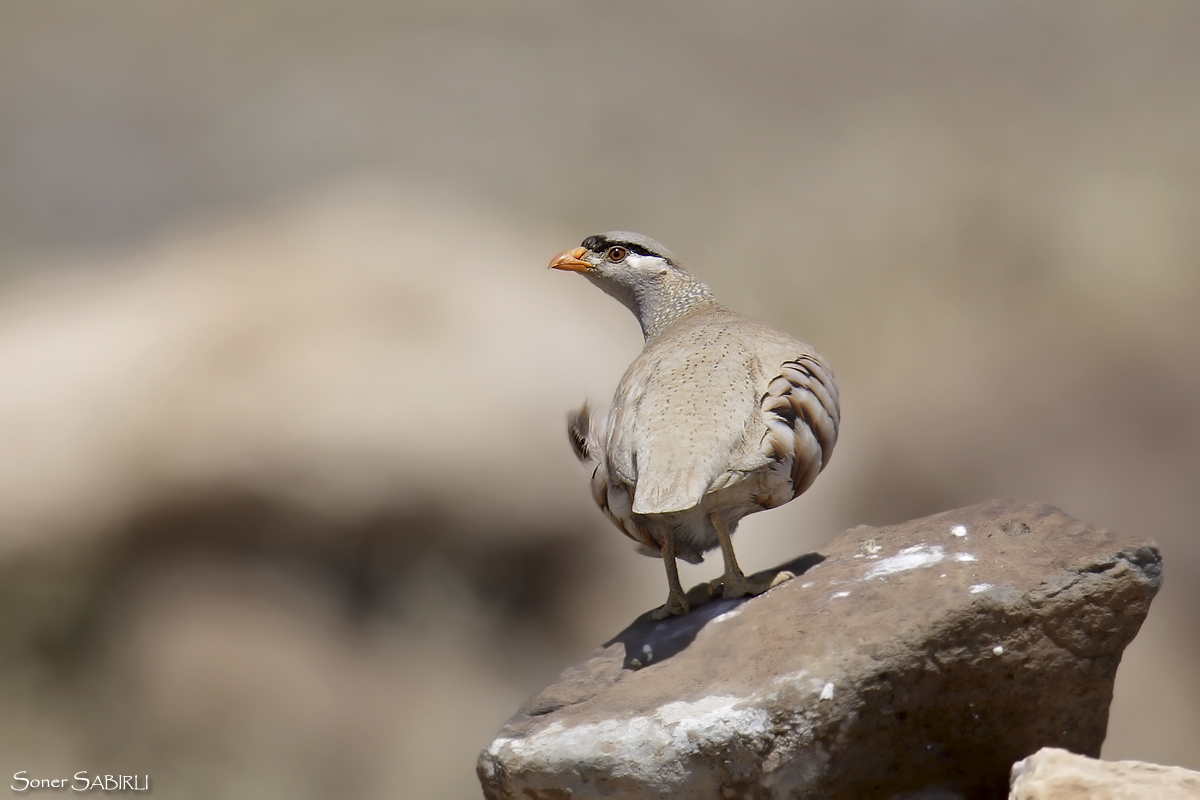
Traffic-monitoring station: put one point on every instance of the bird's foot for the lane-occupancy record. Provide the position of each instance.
(738, 585)
(676, 604)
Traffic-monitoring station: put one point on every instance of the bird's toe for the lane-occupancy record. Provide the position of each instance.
(733, 586)
(676, 604)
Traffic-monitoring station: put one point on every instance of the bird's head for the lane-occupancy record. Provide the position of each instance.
(620, 258)
(639, 272)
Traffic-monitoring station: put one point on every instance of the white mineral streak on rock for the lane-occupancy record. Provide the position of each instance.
(790, 679)
(638, 747)
(840, 594)
(959, 530)
(979, 587)
(784, 686)
(827, 691)
(998, 649)
(964, 557)
(919, 555)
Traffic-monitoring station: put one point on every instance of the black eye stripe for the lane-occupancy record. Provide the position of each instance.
(598, 244)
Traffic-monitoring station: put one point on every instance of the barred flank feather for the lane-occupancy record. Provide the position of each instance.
(802, 411)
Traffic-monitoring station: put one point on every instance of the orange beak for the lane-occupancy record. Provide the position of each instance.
(571, 260)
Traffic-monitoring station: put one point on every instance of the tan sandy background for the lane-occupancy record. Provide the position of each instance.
(286, 506)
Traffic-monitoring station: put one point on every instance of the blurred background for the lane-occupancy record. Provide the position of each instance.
(286, 503)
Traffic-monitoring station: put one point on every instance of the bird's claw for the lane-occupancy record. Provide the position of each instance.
(676, 604)
(738, 585)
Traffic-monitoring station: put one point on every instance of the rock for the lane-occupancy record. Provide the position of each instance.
(919, 660)
(1054, 774)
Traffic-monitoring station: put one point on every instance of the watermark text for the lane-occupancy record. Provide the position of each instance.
(82, 782)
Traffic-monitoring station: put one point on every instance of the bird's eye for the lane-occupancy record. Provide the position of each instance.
(616, 254)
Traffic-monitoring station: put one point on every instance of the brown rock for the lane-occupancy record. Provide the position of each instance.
(1054, 774)
(926, 656)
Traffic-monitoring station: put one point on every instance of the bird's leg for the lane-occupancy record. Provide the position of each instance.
(734, 583)
(676, 602)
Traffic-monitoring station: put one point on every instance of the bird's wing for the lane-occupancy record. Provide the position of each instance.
(681, 418)
(800, 408)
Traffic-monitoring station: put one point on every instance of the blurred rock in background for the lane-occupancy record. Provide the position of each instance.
(286, 506)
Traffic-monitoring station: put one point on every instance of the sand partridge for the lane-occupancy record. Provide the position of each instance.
(718, 417)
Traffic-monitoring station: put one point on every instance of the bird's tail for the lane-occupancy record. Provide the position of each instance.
(585, 434)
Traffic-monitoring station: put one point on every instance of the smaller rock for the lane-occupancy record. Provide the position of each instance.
(1055, 774)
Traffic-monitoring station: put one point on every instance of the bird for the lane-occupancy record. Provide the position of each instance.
(718, 417)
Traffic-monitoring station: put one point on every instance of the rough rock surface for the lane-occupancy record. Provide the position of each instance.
(925, 656)
(1054, 774)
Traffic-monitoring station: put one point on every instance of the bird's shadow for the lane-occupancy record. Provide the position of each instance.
(650, 641)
